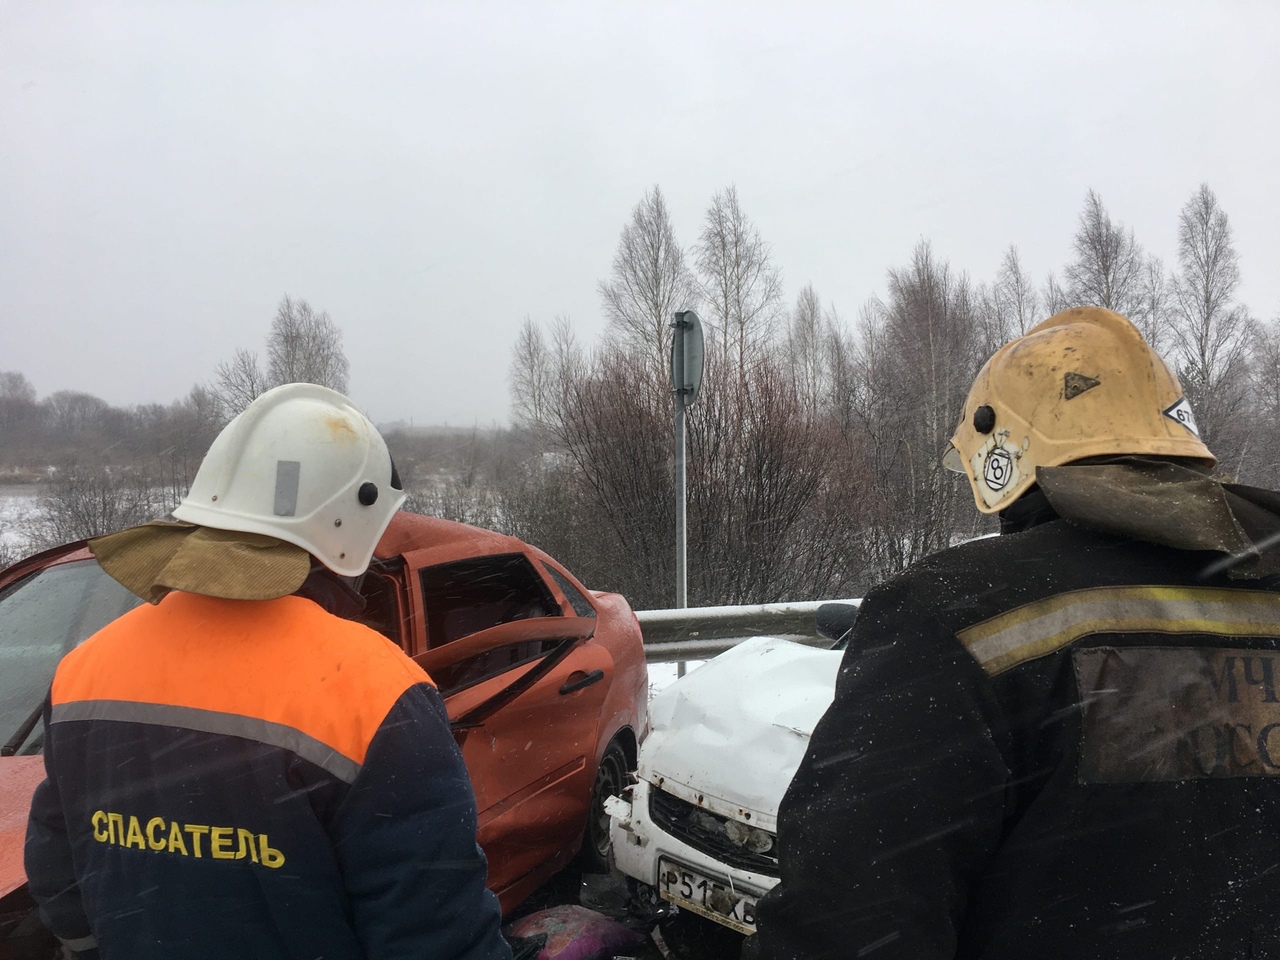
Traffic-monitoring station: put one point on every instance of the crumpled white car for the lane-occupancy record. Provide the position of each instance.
(700, 825)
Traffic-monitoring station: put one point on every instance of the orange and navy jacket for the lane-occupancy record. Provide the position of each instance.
(254, 779)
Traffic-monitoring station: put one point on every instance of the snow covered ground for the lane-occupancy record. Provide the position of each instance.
(16, 504)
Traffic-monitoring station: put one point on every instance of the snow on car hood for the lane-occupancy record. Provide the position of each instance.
(731, 734)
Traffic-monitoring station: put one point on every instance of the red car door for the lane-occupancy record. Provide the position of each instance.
(524, 686)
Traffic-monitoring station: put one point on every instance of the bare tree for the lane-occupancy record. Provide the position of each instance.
(1055, 297)
(1211, 330)
(612, 427)
(770, 513)
(741, 287)
(305, 346)
(1152, 315)
(14, 385)
(649, 282)
(807, 347)
(201, 407)
(1108, 266)
(238, 382)
(466, 495)
(73, 412)
(1016, 294)
(918, 353)
(175, 444)
(87, 500)
(17, 402)
(530, 378)
(453, 500)
(1010, 306)
(1262, 467)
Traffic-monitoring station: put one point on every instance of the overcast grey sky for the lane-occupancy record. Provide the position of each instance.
(429, 173)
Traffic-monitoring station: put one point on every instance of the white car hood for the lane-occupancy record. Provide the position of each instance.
(730, 734)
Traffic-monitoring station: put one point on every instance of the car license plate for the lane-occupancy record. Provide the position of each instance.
(709, 897)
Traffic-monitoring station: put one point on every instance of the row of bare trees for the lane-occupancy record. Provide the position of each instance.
(814, 447)
(772, 475)
(103, 468)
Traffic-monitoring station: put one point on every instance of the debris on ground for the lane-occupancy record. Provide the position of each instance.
(659, 929)
(576, 933)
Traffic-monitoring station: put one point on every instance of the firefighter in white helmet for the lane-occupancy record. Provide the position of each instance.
(235, 770)
(1063, 742)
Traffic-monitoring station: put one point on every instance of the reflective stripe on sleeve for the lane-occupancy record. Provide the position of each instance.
(1046, 626)
(212, 721)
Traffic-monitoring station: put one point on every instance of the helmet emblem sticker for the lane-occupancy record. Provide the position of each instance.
(998, 469)
(287, 473)
(1074, 384)
(1182, 413)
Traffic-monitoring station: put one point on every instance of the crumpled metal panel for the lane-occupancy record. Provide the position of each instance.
(730, 735)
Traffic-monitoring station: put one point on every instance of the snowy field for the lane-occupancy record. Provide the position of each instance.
(16, 504)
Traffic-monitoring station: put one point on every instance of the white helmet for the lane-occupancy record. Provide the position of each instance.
(303, 465)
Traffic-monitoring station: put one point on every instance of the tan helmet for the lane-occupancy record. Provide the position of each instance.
(1081, 384)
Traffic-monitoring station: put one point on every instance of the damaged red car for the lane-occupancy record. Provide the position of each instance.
(544, 681)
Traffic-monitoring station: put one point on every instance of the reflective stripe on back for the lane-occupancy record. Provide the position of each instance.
(211, 721)
(1041, 628)
(283, 672)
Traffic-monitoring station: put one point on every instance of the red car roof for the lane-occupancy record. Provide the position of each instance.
(414, 533)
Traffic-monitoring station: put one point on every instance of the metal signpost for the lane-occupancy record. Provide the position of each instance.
(686, 379)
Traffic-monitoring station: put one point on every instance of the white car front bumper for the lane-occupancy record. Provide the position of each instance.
(639, 844)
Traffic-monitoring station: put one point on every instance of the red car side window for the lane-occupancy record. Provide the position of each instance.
(581, 605)
(472, 595)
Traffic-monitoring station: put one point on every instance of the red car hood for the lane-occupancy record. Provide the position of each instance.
(19, 777)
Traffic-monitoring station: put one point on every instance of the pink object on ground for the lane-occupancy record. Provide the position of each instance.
(576, 933)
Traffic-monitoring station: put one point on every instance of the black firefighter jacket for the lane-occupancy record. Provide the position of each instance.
(255, 780)
(1056, 744)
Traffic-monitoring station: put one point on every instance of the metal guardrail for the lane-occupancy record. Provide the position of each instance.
(698, 633)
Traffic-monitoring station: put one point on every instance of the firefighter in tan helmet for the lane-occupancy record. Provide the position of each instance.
(1062, 742)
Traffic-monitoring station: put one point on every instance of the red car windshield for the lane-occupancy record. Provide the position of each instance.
(42, 617)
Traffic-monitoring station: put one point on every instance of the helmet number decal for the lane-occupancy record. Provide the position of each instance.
(993, 469)
(998, 469)
(1182, 413)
